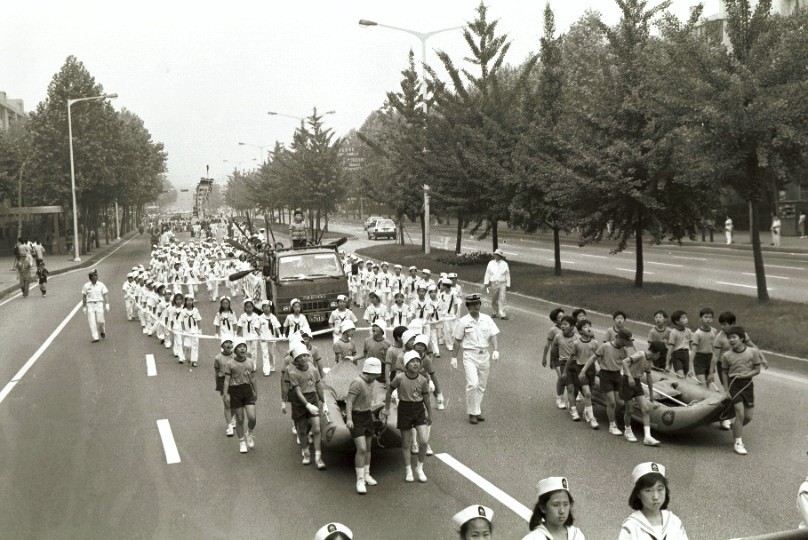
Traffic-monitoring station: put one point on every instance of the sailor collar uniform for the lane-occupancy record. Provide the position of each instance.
(637, 527)
(541, 533)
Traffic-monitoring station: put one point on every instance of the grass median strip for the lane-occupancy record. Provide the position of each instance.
(777, 326)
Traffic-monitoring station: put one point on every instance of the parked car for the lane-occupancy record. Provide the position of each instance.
(382, 228)
(371, 220)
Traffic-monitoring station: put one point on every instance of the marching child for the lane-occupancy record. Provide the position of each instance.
(345, 348)
(384, 284)
(248, 325)
(434, 326)
(556, 315)
(295, 321)
(475, 521)
(399, 314)
(610, 357)
(225, 320)
(414, 411)
(42, 277)
(619, 321)
(420, 309)
(240, 393)
(269, 330)
(190, 326)
(360, 420)
(450, 305)
(175, 313)
(702, 347)
(564, 343)
(376, 343)
(219, 362)
(306, 397)
(166, 319)
(398, 282)
(552, 514)
(394, 355)
(679, 358)
(634, 367)
(129, 296)
(376, 310)
(660, 331)
(420, 345)
(340, 315)
(583, 381)
(739, 366)
(314, 352)
(649, 499)
(411, 284)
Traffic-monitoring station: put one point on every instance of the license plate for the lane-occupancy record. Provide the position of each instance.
(317, 317)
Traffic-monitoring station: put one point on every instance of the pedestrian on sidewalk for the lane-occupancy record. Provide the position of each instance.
(498, 279)
(24, 273)
(728, 228)
(42, 276)
(38, 251)
(94, 300)
(776, 224)
(801, 224)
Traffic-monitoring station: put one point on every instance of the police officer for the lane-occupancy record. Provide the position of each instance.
(94, 300)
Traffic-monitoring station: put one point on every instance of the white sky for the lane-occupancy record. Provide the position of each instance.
(203, 75)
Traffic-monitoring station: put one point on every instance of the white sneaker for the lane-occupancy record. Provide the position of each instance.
(294, 429)
(242, 447)
(575, 416)
(369, 480)
(233, 421)
(629, 435)
(306, 458)
(250, 440)
(441, 404)
(409, 477)
(614, 430)
(726, 424)
(650, 441)
(593, 423)
(229, 430)
(360, 486)
(419, 472)
(415, 448)
(429, 451)
(320, 464)
(740, 449)
(560, 402)
(579, 398)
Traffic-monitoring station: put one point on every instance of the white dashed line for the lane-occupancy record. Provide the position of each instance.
(594, 256)
(688, 258)
(666, 264)
(739, 285)
(151, 367)
(768, 276)
(785, 267)
(633, 270)
(562, 260)
(169, 446)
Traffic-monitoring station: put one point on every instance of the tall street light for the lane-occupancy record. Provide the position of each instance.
(70, 102)
(260, 148)
(302, 119)
(423, 36)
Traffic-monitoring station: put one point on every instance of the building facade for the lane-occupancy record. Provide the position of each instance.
(11, 111)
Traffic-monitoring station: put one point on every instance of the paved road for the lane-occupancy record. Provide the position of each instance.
(82, 456)
(709, 267)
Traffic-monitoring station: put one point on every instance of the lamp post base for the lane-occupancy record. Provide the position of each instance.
(76, 259)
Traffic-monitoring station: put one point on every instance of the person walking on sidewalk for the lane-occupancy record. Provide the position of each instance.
(24, 268)
(776, 224)
(498, 279)
(728, 228)
(801, 224)
(94, 300)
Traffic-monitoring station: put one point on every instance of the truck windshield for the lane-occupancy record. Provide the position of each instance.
(306, 265)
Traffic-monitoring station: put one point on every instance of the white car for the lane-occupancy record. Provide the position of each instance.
(371, 220)
(382, 228)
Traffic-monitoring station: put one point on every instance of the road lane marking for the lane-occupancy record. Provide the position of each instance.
(666, 264)
(518, 508)
(169, 446)
(633, 270)
(31, 361)
(688, 258)
(785, 267)
(594, 256)
(768, 276)
(739, 285)
(562, 260)
(151, 367)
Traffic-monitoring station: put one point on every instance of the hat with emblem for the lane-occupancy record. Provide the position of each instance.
(327, 532)
(646, 468)
(473, 298)
(554, 483)
(473, 512)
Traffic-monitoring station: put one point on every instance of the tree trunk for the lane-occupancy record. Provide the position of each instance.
(557, 250)
(640, 268)
(423, 232)
(400, 229)
(459, 239)
(760, 270)
(495, 233)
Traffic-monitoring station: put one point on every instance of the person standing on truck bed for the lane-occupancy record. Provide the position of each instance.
(298, 229)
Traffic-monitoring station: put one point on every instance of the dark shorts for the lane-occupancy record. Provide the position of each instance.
(410, 414)
(701, 363)
(240, 396)
(680, 360)
(561, 365)
(629, 392)
(574, 372)
(220, 385)
(553, 358)
(609, 381)
(363, 424)
(742, 390)
(299, 411)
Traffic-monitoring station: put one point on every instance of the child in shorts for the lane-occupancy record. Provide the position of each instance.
(556, 316)
(345, 348)
(564, 343)
(583, 348)
(240, 393)
(619, 321)
(394, 355)
(634, 368)
(360, 420)
(610, 357)
(679, 359)
(42, 277)
(702, 347)
(219, 362)
(739, 366)
(306, 397)
(660, 332)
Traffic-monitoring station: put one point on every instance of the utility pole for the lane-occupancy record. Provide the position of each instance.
(426, 219)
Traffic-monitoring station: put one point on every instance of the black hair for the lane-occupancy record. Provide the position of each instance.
(398, 331)
(618, 313)
(583, 322)
(706, 311)
(464, 528)
(662, 312)
(554, 314)
(539, 516)
(178, 295)
(570, 320)
(578, 311)
(644, 482)
(657, 347)
(738, 331)
(727, 317)
(230, 308)
(676, 315)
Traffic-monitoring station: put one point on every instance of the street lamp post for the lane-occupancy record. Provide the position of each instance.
(273, 113)
(117, 223)
(70, 102)
(260, 148)
(423, 36)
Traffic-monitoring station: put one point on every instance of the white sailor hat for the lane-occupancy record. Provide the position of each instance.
(130, 275)
(266, 303)
(347, 325)
(451, 275)
(385, 263)
(473, 512)
(409, 356)
(426, 271)
(189, 295)
(342, 297)
(411, 268)
(422, 339)
(239, 341)
(327, 532)
(134, 268)
(372, 366)
(225, 340)
(499, 252)
(250, 300)
(397, 266)
(554, 483)
(646, 468)
(299, 350)
(380, 323)
(376, 293)
(432, 288)
(375, 265)
(407, 336)
(294, 301)
(443, 275)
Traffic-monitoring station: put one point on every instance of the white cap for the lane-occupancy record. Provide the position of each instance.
(238, 341)
(326, 531)
(408, 335)
(413, 268)
(342, 297)
(410, 356)
(380, 323)
(554, 483)
(422, 339)
(298, 350)
(646, 468)
(224, 339)
(372, 366)
(426, 271)
(473, 512)
(295, 300)
(499, 252)
(347, 325)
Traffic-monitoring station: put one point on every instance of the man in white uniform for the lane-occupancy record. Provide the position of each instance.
(728, 227)
(472, 336)
(498, 278)
(94, 299)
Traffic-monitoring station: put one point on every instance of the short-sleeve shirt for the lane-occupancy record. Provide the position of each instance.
(376, 349)
(721, 342)
(219, 363)
(240, 372)
(305, 379)
(565, 346)
(610, 356)
(298, 231)
(680, 339)
(639, 364)
(400, 316)
(362, 394)
(410, 389)
(344, 348)
(394, 356)
(655, 335)
(296, 323)
(94, 293)
(583, 350)
(374, 313)
(249, 324)
(338, 317)
(475, 334)
(703, 341)
(740, 363)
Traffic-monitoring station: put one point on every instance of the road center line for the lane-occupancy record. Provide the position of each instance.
(739, 285)
(151, 367)
(785, 267)
(632, 270)
(666, 264)
(562, 260)
(31, 361)
(768, 276)
(169, 446)
(594, 256)
(518, 508)
(688, 258)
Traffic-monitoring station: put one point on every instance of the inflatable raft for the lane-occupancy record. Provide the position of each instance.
(335, 434)
(680, 404)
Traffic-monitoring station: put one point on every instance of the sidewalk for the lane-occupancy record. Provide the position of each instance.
(56, 264)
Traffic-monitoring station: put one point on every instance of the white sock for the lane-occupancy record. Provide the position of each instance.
(408, 469)
(317, 455)
(360, 473)
(647, 430)
(738, 440)
(366, 469)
